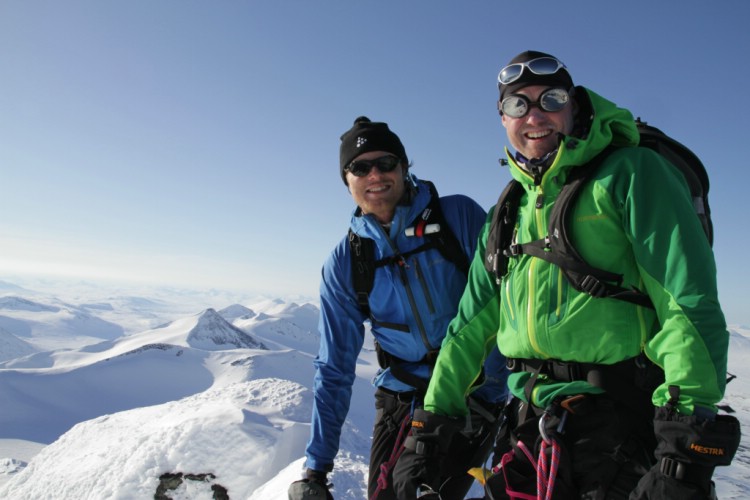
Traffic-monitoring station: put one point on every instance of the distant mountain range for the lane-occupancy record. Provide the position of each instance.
(222, 395)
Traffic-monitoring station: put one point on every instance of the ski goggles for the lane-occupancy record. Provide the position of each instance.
(517, 105)
(385, 164)
(538, 66)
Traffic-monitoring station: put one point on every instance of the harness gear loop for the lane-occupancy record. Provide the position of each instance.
(505, 460)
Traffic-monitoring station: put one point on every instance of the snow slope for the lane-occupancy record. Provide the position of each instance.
(209, 403)
(12, 347)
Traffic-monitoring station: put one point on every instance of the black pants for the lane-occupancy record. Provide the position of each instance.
(606, 447)
(391, 410)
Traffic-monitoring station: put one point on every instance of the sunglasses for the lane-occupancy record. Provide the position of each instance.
(538, 66)
(517, 105)
(385, 164)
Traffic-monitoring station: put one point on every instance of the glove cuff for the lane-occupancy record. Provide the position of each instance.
(317, 476)
(690, 440)
(699, 475)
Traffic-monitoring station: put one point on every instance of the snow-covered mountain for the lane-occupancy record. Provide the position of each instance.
(285, 326)
(207, 400)
(206, 330)
(236, 311)
(12, 347)
(53, 324)
(147, 368)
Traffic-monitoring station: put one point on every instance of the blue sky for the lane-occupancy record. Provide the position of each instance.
(196, 143)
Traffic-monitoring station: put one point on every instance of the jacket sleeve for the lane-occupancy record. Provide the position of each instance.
(470, 337)
(678, 270)
(341, 338)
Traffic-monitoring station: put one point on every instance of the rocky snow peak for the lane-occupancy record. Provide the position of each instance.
(212, 332)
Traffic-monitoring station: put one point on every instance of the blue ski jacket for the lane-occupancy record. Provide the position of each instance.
(423, 295)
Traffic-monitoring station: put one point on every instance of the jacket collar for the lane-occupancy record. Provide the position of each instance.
(368, 227)
(601, 123)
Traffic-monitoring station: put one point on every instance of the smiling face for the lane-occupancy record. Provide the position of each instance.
(536, 133)
(377, 193)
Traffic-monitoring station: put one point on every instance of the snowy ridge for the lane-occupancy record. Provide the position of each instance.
(286, 326)
(236, 311)
(14, 303)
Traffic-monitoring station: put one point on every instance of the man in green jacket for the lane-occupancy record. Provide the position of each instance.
(611, 399)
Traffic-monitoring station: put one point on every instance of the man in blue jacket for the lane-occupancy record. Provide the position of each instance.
(414, 295)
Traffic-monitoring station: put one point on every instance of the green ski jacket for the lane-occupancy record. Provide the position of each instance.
(635, 217)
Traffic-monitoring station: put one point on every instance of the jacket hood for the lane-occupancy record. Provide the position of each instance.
(599, 124)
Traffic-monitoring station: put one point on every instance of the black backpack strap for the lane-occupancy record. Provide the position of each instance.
(440, 237)
(558, 249)
(363, 268)
(433, 227)
(363, 275)
(502, 229)
(363, 265)
(444, 239)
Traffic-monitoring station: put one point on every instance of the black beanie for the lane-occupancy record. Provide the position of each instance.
(559, 79)
(366, 136)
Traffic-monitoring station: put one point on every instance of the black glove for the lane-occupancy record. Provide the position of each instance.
(313, 487)
(419, 467)
(688, 450)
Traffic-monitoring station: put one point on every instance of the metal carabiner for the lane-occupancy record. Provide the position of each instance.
(542, 427)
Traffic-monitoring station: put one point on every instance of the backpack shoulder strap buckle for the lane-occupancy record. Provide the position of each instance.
(591, 285)
(513, 250)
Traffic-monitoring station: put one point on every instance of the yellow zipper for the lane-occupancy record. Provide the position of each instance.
(530, 320)
(530, 317)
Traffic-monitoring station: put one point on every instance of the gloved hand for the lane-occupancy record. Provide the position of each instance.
(420, 464)
(688, 450)
(313, 487)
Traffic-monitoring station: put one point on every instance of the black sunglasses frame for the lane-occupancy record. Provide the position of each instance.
(362, 168)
